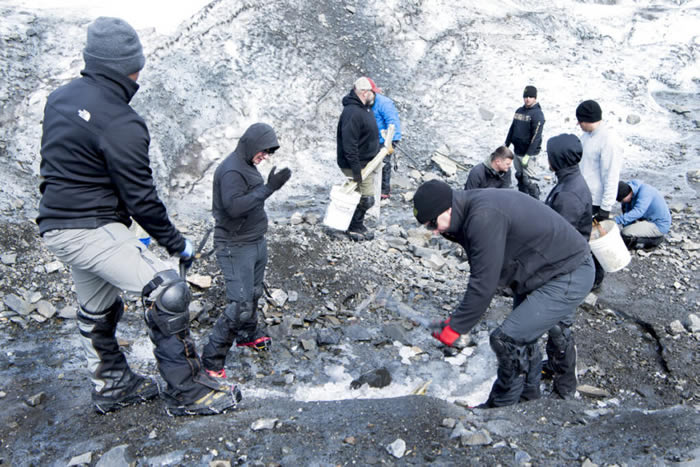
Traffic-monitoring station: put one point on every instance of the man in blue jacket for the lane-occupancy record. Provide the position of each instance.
(526, 135)
(386, 114)
(511, 240)
(645, 217)
(357, 141)
(238, 204)
(95, 179)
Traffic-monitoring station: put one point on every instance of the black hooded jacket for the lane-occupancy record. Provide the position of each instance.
(239, 194)
(485, 176)
(94, 160)
(526, 130)
(511, 239)
(357, 136)
(570, 197)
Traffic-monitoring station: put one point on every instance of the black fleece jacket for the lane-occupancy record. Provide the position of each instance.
(239, 191)
(94, 160)
(570, 197)
(357, 136)
(511, 239)
(485, 176)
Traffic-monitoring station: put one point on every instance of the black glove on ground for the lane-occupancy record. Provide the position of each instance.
(276, 180)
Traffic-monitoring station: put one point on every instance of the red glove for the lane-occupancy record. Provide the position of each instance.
(445, 333)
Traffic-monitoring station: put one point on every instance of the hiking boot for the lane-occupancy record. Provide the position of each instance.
(262, 343)
(140, 390)
(221, 374)
(220, 398)
(360, 234)
(547, 371)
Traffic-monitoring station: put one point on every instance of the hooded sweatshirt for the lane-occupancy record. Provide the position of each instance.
(357, 136)
(485, 176)
(239, 192)
(570, 197)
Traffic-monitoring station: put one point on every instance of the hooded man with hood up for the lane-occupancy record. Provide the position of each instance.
(571, 198)
(494, 172)
(239, 239)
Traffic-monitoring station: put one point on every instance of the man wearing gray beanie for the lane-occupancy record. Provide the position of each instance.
(96, 179)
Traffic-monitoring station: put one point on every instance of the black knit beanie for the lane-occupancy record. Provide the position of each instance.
(113, 43)
(623, 190)
(589, 111)
(530, 91)
(431, 199)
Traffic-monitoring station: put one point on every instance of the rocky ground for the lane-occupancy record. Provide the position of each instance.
(331, 306)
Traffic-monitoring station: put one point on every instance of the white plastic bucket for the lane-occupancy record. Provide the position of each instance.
(341, 208)
(609, 249)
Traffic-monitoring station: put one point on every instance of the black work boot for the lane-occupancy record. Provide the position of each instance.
(357, 230)
(561, 354)
(115, 385)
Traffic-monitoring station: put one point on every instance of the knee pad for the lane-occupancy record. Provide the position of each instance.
(166, 299)
(366, 202)
(510, 353)
(560, 335)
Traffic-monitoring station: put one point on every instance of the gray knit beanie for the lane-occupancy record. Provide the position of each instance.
(113, 43)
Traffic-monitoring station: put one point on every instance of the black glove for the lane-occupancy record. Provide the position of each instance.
(357, 176)
(602, 215)
(276, 180)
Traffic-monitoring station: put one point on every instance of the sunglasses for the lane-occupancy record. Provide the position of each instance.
(270, 151)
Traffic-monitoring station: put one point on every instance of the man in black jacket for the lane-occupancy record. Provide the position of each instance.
(239, 238)
(510, 240)
(95, 179)
(571, 198)
(357, 143)
(526, 135)
(494, 172)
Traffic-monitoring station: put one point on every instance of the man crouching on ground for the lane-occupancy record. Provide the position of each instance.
(239, 239)
(512, 240)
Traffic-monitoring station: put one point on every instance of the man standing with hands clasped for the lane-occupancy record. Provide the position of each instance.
(516, 241)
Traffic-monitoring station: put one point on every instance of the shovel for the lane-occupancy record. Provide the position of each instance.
(344, 198)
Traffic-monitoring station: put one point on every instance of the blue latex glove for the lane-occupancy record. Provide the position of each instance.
(187, 255)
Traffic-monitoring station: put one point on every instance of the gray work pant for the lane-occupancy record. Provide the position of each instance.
(243, 268)
(642, 228)
(553, 302)
(529, 169)
(104, 262)
(366, 187)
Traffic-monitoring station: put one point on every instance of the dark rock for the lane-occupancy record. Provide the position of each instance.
(396, 333)
(327, 337)
(356, 332)
(378, 378)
